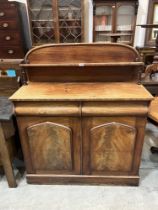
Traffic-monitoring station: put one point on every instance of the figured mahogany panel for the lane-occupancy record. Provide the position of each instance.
(50, 146)
(112, 146)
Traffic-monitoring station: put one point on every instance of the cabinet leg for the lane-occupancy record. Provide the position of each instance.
(6, 160)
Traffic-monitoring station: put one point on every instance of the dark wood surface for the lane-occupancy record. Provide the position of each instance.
(82, 132)
(11, 37)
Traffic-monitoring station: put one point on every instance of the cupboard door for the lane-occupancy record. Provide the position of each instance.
(108, 145)
(53, 144)
(70, 21)
(42, 21)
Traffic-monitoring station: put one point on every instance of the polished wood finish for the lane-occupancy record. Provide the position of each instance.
(64, 54)
(57, 150)
(11, 37)
(79, 122)
(153, 110)
(81, 92)
(112, 146)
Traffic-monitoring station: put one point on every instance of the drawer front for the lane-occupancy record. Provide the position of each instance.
(9, 38)
(8, 13)
(11, 52)
(8, 24)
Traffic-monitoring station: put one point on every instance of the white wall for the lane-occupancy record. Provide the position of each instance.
(141, 19)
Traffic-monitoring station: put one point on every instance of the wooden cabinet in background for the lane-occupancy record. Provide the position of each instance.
(114, 21)
(152, 18)
(56, 21)
(11, 37)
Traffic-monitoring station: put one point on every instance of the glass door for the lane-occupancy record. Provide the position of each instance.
(103, 22)
(42, 21)
(70, 21)
(125, 23)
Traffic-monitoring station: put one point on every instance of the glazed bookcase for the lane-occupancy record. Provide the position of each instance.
(56, 21)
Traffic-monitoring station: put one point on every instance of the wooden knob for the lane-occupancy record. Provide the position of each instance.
(10, 52)
(7, 38)
(2, 14)
(5, 25)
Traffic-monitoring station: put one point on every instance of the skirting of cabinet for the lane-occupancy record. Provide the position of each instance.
(80, 179)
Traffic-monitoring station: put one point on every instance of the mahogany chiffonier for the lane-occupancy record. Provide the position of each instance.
(82, 114)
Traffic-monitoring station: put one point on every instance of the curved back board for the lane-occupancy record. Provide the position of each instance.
(96, 62)
(81, 53)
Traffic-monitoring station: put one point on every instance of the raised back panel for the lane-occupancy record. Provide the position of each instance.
(81, 53)
(83, 63)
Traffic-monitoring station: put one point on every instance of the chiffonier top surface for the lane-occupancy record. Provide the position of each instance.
(81, 92)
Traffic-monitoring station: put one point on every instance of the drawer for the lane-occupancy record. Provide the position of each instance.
(11, 52)
(8, 38)
(8, 13)
(8, 24)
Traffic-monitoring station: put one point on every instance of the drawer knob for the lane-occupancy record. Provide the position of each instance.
(2, 14)
(10, 52)
(7, 38)
(5, 25)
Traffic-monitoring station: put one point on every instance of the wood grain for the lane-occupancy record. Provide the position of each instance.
(46, 141)
(81, 92)
(50, 146)
(82, 179)
(129, 141)
(93, 91)
(153, 110)
(107, 72)
(51, 108)
(112, 146)
(77, 53)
